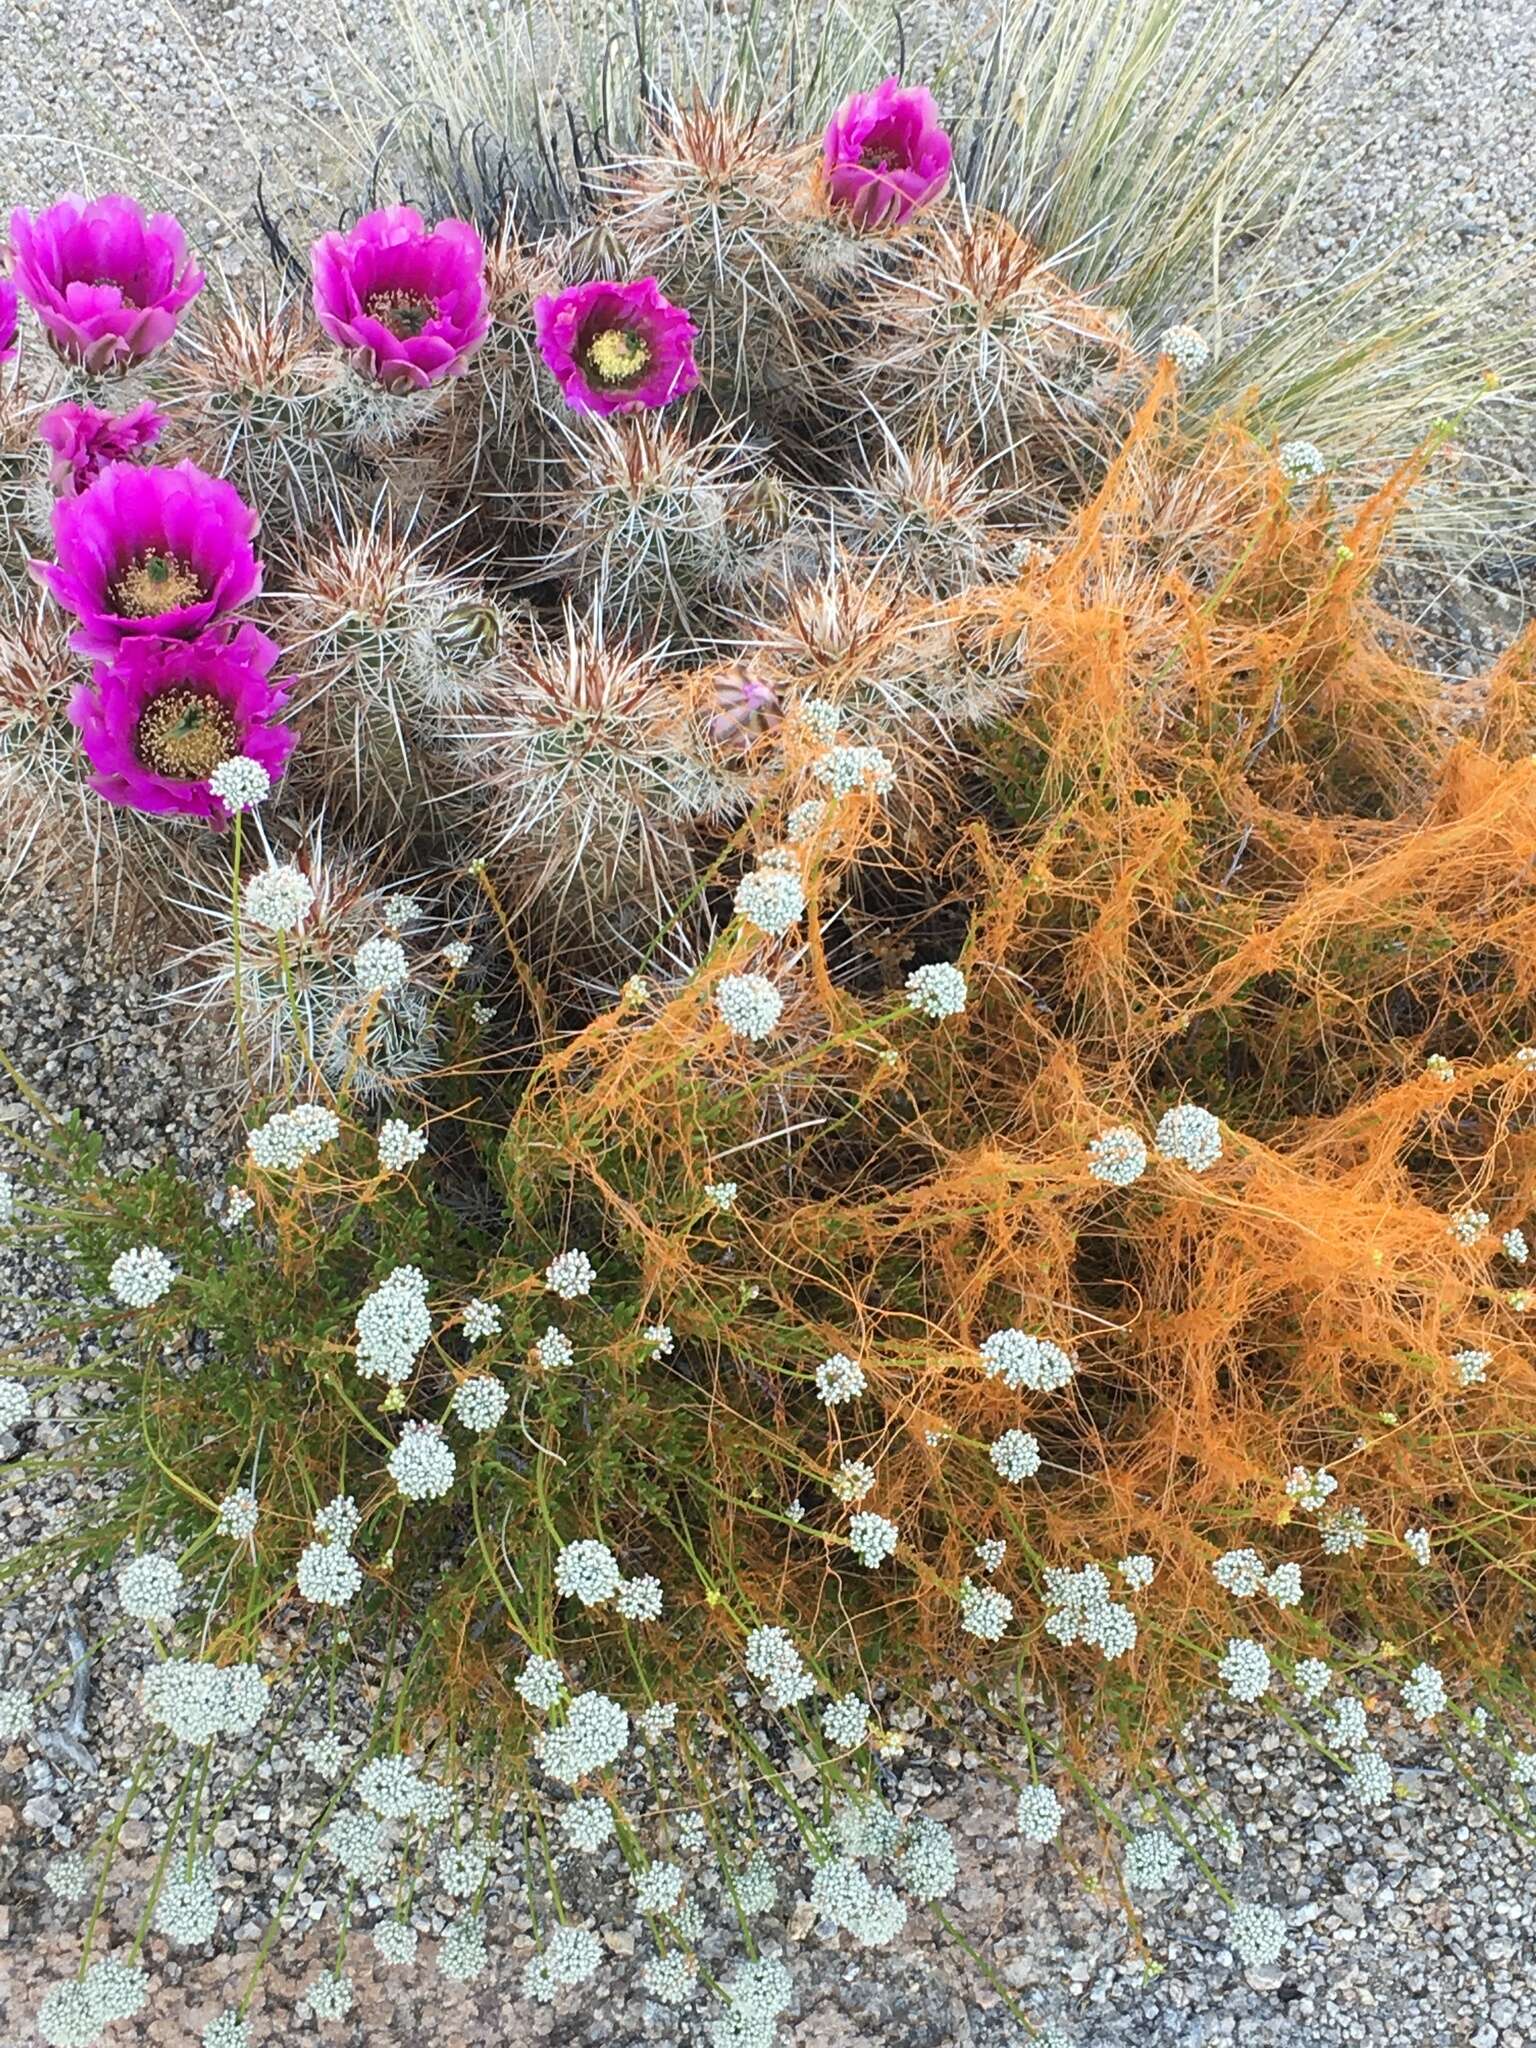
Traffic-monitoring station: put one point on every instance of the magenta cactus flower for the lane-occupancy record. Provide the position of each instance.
(885, 154)
(7, 319)
(408, 303)
(150, 553)
(84, 440)
(161, 715)
(616, 347)
(107, 284)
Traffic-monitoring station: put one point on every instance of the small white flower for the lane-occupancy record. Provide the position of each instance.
(853, 1480)
(393, 1326)
(587, 1824)
(1037, 1813)
(480, 1403)
(394, 1941)
(1118, 1156)
(237, 1206)
(669, 1978)
(1187, 349)
(1467, 1224)
(238, 1514)
(639, 1599)
(458, 953)
(381, 966)
(1020, 1360)
(15, 1404)
(422, 1464)
(657, 1720)
(1416, 1542)
(1370, 1779)
(1311, 1679)
(328, 1575)
(1258, 1935)
(554, 1349)
(1016, 1455)
(984, 1612)
(1189, 1135)
(1245, 1669)
(658, 1888)
(773, 899)
(278, 898)
(1302, 462)
(68, 1877)
(187, 1910)
(1284, 1585)
(660, 1339)
(803, 820)
(399, 1145)
(482, 1319)
(1514, 1247)
(588, 1572)
(843, 770)
(240, 783)
(1152, 1862)
(845, 1722)
(871, 1538)
(7, 1200)
(838, 1379)
(1311, 1490)
(570, 1275)
(594, 1734)
(1472, 1366)
(150, 1588)
(328, 1998)
(749, 1005)
(291, 1136)
(937, 990)
(18, 1713)
(141, 1277)
(1424, 1694)
(1138, 1571)
(1345, 1531)
(1239, 1572)
(990, 1553)
(722, 1193)
(540, 1683)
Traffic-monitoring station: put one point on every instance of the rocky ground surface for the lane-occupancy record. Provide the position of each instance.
(1413, 1926)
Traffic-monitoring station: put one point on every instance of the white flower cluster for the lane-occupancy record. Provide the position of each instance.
(15, 1404)
(1302, 462)
(1311, 1490)
(237, 1206)
(1016, 1455)
(1347, 1727)
(338, 1521)
(640, 1599)
(842, 770)
(569, 1275)
(7, 1200)
(838, 1379)
(1258, 1935)
(1190, 1136)
(1514, 1247)
(1138, 1570)
(595, 1733)
(1344, 1531)
(845, 1721)
(1037, 1813)
(227, 2030)
(1370, 1779)
(1416, 1543)
(756, 1995)
(395, 1941)
(872, 1538)
(141, 1277)
(240, 783)
(18, 1713)
(150, 1588)
(422, 1464)
(587, 1825)
(721, 1194)
(1080, 1610)
(1239, 1572)
(588, 1572)
(660, 1339)
(381, 966)
(239, 1513)
(657, 1720)
(658, 1888)
(1118, 1156)
(327, 1574)
(984, 1612)
(1152, 1861)
(458, 953)
(399, 1145)
(853, 1480)
(554, 1349)
(1284, 1585)
(540, 1683)
(1020, 1360)
(74, 2013)
(360, 1844)
(937, 990)
(1186, 348)
(773, 899)
(1245, 1669)
(287, 1139)
(926, 1862)
(482, 1319)
(669, 1978)
(187, 1910)
(571, 1956)
(774, 1661)
(749, 1005)
(1472, 1366)
(197, 1702)
(990, 1553)
(803, 820)
(328, 1998)
(393, 1787)
(1424, 1694)
(1311, 1679)
(480, 1403)
(393, 1326)
(757, 1888)
(325, 1755)
(1467, 1224)
(278, 898)
(463, 1955)
(872, 1914)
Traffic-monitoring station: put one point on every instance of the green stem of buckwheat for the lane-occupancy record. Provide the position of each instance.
(119, 1820)
(274, 1925)
(1015, 2010)
(236, 987)
(163, 1863)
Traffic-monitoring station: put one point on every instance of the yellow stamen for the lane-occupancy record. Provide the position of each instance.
(619, 355)
(185, 734)
(155, 584)
(405, 314)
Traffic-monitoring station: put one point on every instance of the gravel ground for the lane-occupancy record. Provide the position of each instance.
(1414, 1928)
